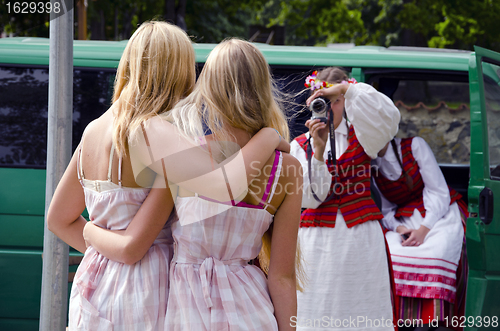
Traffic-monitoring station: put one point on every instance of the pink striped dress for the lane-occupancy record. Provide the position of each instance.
(108, 295)
(212, 286)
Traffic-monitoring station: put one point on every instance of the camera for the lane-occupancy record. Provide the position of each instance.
(319, 108)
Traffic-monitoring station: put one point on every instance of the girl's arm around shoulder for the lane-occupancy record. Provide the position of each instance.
(192, 167)
(282, 276)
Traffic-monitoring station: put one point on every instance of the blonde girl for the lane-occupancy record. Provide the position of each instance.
(213, 287)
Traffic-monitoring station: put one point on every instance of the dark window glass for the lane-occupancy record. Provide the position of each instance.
(491, 81)
(24, 110)
(23, 116)
(92, 93)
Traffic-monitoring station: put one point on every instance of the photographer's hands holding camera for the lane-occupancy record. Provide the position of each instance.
(317, 129)
(319, 132)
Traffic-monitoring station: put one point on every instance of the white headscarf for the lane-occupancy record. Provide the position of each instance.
(373, 115)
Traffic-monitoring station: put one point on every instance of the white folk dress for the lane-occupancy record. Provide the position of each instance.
(348, 275)
(431, 267)
(108, 295)
(212, 286)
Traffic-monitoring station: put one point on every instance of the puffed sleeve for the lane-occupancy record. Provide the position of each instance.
(373, 115)
(321, 179)
(436, 193)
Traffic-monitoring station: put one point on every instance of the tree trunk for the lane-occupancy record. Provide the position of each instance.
(116, 23)
(170, 11)
(181, 13)
(97, 27)
(175, 14)
(127, 23)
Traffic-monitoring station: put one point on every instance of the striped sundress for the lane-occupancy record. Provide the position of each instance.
(212, 284)
(108, 295)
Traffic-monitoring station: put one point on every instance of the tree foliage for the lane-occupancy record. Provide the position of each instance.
(454, 23)
(314, 21)
(434, 23)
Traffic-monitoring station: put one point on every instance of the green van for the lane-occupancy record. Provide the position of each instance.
(450, 98)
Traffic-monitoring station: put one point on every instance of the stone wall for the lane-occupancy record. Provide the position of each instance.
(447, 131)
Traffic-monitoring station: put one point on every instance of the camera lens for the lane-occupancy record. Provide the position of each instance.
(318, 105)
(319, 108)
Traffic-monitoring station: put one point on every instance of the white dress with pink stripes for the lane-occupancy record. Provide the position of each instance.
(108, 295)
(212, 286)
(429, 270)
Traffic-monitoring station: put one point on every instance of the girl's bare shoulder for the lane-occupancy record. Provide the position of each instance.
(291, 168)
(98, 127)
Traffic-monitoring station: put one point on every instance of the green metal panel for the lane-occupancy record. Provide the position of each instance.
(483, 241)
(107, 54)
(21, 230)
(21, 285)
(16, 324)
(358, 74)
(23, 191)
(21, 275)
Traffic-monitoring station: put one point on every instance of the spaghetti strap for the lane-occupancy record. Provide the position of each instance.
(276, 176)
(79, 170)
(110, 167)
(120, 171)
(272, 181)
(79, 167)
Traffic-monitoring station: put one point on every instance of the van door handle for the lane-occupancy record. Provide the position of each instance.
(486, 205)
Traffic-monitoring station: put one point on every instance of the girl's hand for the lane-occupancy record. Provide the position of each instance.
(404, 232)
(86, 231)
(332, 93)
(283, 146)
(319, 132)
(402, 229)
(416, 237)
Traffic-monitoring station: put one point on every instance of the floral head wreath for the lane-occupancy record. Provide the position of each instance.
(314, 83)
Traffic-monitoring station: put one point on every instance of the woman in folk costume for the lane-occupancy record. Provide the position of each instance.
(122, 281)
(342, 242)
(425, 218)
(213, 286)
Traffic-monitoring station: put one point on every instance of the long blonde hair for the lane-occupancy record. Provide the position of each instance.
(156, 70)
(236, 89)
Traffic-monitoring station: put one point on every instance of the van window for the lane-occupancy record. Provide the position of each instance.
(92, 93)
(23, 116)
(434, 106)
(24, 110)
(491, 80)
